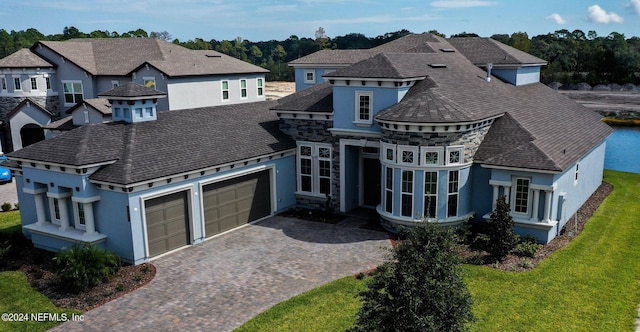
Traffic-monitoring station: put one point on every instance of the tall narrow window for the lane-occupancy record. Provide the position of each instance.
(364, 109)
(430, 194)
(407, 194)
(388, 190)
(260, 87)
(243, 88)
(115, 83)
(81, 216)
(47, 81)
(34, 83)
(72, 92)
(576, 174)
(521, 198)
(306, 175)
(4, 83)
(17, 84)
(452, 199)
(225, 90)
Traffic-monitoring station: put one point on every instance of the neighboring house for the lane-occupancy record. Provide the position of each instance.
(414, 129)
(60, 74)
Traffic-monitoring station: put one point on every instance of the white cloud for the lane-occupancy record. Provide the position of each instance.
(635, 5)
(462, 3)
(557, 18)
(599, 15)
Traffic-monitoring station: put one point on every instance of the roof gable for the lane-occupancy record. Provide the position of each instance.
(481, 51)
(24, 58)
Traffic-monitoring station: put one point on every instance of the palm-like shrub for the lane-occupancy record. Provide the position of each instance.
(83, 266)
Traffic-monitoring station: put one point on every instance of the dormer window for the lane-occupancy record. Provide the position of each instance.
(309, 76)
(364, 108)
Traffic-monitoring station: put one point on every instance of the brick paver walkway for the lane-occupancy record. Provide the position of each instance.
(221, 283)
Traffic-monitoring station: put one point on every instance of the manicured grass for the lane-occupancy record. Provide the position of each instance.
(17, 297)
(10, 222)
(331, 307)
(589, 285)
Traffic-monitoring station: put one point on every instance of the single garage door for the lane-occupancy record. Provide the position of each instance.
(235, 202)
(167, 223)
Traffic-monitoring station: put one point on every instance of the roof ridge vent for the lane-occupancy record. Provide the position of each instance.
(438, 65)
(448, 50)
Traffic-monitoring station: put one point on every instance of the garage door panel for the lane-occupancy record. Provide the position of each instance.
(235, 202)
(167, 223)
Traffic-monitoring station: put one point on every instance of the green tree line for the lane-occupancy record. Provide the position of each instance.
(573, 56)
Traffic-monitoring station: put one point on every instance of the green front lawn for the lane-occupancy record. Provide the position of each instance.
(589, 285)
(18, 299)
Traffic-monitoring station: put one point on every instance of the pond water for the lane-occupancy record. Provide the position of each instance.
(623, 150)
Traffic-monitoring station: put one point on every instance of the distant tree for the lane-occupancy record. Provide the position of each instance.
(465, 34)
(503, 38)
(352, 41)
(322, 40)
(71, 32)
(255, 54)
(437, 33)
(520, 40)
(419, 287)
(162, 35)
(502, 238)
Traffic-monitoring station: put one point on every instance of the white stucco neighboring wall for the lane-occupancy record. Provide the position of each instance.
(205, 91)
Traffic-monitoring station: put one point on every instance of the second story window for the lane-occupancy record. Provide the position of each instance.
(364, 107)
(309, 76)
(3, 81)
(243, 88)
(34, 83)
(115, 83)
(17, 84)
(72, 92)
(47, 81)
(260, 88)
(225, 90)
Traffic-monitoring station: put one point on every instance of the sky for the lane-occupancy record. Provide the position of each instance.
(262, 20)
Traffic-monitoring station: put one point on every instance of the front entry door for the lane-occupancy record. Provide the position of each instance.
(370, 182)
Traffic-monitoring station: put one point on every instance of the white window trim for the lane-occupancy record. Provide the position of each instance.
(47, 83)
(16, 88)
(429, 149)
(32, 80)
(576, 175)
(357, 120)
(383, 152)
(222, 90)
(388, 190)
(52, 210)
(457, 193)
(409, 193)
(246, 89)
(407, 148)
(115, 83)
(260, 86)
(512, 199)
(315, 168)
(150, 78)
(72, 82)
(313, 76)
(454, 148)
(434, 201)
(76, 216)
(3, 83)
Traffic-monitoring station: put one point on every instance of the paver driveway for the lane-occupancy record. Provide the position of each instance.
(221, 283)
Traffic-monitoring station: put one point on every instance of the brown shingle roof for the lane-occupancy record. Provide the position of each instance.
(121, 56)
(200, 138)
(24, 58)
(99, 104)
(318, 98)
(481, 51)
(132, 90)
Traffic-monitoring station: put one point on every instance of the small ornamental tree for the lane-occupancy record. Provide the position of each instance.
(502, 238)
(419, 287)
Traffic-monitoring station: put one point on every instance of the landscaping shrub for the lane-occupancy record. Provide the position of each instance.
(502, 237)
(83, 266)
(419, 287)
(6, 206)
(527, 249)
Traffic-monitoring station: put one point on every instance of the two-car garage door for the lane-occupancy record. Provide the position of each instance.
(226, 204)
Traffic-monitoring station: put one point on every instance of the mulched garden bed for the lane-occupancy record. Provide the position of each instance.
(38, 267)
(574, 226)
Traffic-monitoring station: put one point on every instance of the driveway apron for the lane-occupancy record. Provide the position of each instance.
(225, 281)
